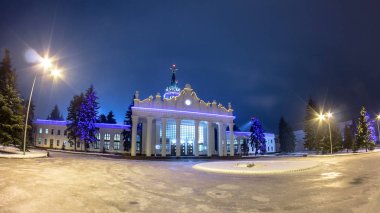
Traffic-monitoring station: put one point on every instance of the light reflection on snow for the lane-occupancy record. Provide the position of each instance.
(330, 175)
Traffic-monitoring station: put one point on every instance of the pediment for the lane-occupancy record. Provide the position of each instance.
(187, 100)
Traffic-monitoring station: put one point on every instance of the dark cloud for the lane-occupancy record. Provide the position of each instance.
(266, 57)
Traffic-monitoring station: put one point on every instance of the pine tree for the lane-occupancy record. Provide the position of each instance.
(128, 114)
(348, 137)
(73, 119)
(286, 136)
(88, 112)
(11, 105)
(102, 119)
(55, 114)
(257, 139)
(127, 135)
(310, 127)
(245, 147)
(111, 118)
(364, 134)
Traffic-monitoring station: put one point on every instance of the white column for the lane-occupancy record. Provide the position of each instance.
(232, 140)
(178, 137)
(134, 132)
(220, 138)
(163, 148)
(238, 146)
(196, 139)
(224, 140)
(148, 147)
(209, 136)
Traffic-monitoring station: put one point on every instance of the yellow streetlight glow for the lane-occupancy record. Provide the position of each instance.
(321, 117)
(329, 115)
(378, 117)
(46, 63)
(56, 73)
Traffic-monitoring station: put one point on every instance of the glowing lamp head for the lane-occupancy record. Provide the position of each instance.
(329, 115)
(321, 117)
(46, 63)
(55, 73)
(378, 117)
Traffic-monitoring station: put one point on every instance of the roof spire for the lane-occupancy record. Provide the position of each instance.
(173, 68)
(173, 90)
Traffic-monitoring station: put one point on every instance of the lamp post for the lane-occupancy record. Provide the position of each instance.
(329, 115)
(46, 64)
(378, 129)
(322, 117)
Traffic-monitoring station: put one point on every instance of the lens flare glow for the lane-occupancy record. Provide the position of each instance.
(31, 56)
(55, 73)
(46, 63)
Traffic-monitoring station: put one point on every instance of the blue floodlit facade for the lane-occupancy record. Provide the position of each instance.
(177, 124)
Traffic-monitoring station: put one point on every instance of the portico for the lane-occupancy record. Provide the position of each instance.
(182, 125)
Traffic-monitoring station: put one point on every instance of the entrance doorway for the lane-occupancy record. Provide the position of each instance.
(187, 148)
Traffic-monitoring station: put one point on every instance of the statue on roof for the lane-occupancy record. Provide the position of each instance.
(173, 90)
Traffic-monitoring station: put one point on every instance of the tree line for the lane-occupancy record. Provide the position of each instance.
(360, 134)
(82, 115)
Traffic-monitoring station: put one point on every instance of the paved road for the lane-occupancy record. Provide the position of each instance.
(79, 183)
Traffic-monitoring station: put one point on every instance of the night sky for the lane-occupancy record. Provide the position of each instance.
(266, 57)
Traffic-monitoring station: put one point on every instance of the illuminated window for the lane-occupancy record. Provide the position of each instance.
(107, 145)
(39, 140)
(107, 136)
(187, 130)
(40, 131)
(116, 137)
(46, 131)
(116, 145)
(96, 144)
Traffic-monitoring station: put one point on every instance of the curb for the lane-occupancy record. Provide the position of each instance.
(245, 172)
(21, 156)
(84, 153)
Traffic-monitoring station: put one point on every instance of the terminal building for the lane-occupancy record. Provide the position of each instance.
(178, 123)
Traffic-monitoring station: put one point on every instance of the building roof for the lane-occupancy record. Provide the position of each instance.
(64, 123)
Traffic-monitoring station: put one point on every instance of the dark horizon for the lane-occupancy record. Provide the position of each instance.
(265, 57)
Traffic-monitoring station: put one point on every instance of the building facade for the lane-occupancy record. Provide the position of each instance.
(177, 124)
(53, 135)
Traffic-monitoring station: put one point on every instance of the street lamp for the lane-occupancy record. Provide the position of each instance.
(322, 117)
(46, 64)
(378, 129)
